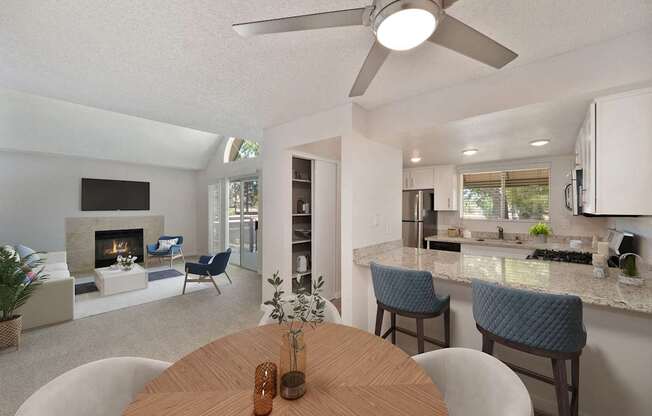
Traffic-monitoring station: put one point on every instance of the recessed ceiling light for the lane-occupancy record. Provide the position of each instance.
(415, 159)
(469, 152)
(539, 143)
(405, 25)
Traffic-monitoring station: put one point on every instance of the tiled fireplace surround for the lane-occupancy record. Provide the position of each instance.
(80, 236)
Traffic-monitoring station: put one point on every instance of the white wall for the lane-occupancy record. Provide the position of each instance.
(31, 123)
(370, 181)
(39, 191)
(216, 170)
(562, 221)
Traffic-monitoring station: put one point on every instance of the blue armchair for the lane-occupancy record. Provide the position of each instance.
(175, 252)
(208, 268)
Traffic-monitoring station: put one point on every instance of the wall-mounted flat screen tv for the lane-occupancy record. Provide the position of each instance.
(110, 195)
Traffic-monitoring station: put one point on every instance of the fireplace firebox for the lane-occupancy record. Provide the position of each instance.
(112, 243)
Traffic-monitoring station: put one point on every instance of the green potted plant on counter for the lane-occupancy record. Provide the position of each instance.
(540, 232)
(18, 280)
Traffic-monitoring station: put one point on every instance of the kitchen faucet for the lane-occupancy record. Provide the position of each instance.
(501, 234)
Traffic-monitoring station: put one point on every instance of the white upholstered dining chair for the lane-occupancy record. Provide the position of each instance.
(331, 314)
(100, 388)
(475, 383)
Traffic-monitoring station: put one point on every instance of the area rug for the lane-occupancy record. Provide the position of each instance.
(89, 287)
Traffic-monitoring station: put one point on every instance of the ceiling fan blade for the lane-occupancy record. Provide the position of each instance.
(372, 64)
(445, 4)
(351, 17)
(457, 36)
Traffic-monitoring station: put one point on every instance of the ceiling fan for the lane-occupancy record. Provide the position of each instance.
(399, 25)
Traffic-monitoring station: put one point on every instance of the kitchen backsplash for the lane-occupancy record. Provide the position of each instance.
(561, 224)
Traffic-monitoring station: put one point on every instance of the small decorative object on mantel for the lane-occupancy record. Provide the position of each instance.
(126, 263)
(629, 271)
(292, 314)
(540, 232)
(19, 278)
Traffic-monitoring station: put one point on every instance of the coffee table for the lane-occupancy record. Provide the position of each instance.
(110, 282)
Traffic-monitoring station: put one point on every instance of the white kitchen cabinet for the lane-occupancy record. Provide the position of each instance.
(615, 154)
(418, 178)
(446, 188)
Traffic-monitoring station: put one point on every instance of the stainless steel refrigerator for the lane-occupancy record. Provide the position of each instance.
(419, 218)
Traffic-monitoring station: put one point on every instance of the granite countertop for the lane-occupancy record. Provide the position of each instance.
(524, 244)
(537, 275)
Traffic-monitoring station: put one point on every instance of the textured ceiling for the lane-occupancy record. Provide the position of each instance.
(179, 61)
(502, 135)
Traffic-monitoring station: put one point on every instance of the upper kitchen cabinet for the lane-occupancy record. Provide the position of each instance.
(446, 188)
(418, 178)
(614, 151)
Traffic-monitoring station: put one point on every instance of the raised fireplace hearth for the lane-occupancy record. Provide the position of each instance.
(110, 244)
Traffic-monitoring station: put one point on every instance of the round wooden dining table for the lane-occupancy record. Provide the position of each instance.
(348, 372)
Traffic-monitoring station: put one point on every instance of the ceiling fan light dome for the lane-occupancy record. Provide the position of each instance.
(404, 25)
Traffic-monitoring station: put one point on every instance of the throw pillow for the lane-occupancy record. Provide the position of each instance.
(165, 245)
(9, 249)
(30, 256)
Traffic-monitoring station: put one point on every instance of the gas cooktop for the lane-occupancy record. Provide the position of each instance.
(563, 256)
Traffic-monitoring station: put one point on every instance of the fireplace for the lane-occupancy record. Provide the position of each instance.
(110, 244)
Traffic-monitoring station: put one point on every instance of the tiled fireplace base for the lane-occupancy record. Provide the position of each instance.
(80, 236)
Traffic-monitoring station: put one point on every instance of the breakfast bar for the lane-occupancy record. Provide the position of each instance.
(618, 318)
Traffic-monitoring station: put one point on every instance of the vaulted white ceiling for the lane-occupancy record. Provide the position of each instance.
(180, 62)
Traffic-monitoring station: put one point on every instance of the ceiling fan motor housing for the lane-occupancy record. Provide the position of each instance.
(386, 8)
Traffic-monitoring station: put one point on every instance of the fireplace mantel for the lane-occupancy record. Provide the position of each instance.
(80, 236)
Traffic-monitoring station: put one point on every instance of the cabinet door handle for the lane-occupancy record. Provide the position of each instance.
(449, 202)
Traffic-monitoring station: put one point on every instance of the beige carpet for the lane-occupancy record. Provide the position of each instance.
(166, 330)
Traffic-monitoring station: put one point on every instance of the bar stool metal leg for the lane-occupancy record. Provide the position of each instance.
(447, 328)
(379, 320)
(561, 386)
(575, 382)
(420, 339)
(487, 345)
(393, 316)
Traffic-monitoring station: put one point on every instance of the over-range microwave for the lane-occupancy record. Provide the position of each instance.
(573, 192)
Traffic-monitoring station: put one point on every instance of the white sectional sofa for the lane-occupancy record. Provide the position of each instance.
(54, 300)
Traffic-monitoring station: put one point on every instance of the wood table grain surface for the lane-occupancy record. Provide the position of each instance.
(349, 372)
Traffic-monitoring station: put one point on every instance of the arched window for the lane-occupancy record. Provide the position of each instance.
(237, 149)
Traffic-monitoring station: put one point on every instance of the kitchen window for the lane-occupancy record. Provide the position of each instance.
(518, 195)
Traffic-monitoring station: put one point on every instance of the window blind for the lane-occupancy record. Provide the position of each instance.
(482, 195)
(514, 195)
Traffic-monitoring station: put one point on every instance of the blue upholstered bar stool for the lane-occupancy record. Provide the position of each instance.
(541, 324)
(408, 293)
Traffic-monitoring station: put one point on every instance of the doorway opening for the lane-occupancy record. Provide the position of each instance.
(243, 217)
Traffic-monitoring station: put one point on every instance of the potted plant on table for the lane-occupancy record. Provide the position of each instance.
(540, 232)
(293, 313)
(126, 263)
(18, 280)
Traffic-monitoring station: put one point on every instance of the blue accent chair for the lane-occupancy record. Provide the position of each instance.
(175, 252)
(409, 293)
(208, 268)
(541, 324)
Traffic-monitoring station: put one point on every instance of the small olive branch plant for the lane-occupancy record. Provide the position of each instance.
(296, 312)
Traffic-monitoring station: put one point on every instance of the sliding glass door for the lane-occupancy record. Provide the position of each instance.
(243, 222)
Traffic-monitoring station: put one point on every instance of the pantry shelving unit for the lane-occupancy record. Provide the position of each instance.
(302, 222)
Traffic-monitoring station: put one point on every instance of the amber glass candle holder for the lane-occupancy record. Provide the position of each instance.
(263, 400)
(266, 374)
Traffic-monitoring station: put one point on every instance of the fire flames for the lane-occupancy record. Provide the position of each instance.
(118, 247)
